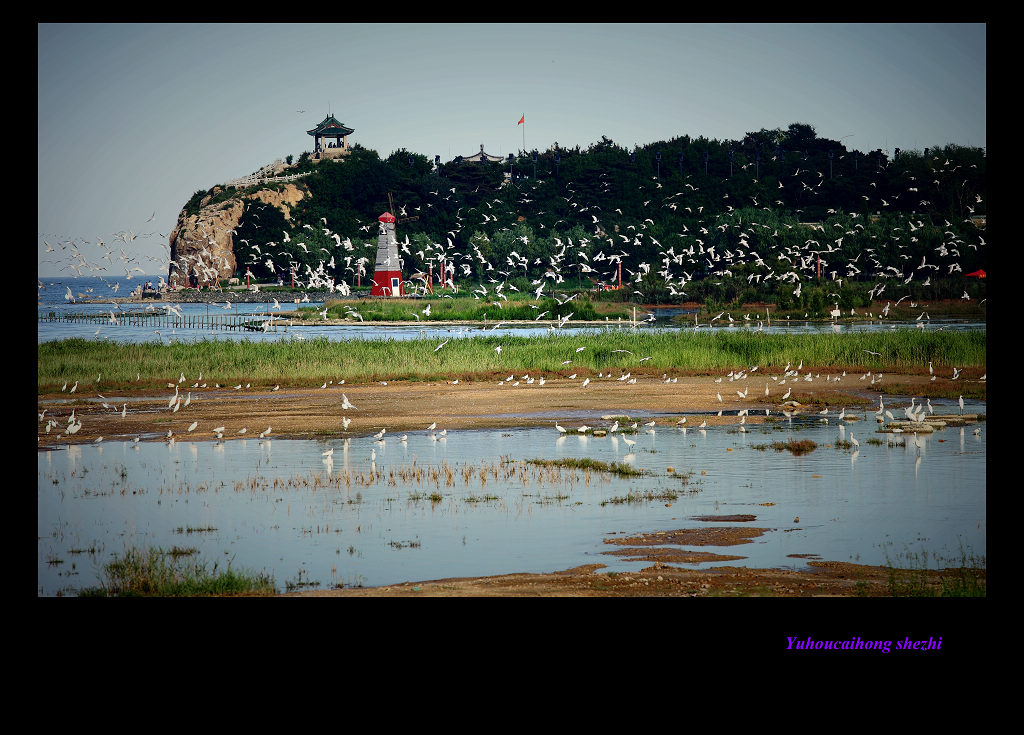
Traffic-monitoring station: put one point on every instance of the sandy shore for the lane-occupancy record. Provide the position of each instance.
(413, 406)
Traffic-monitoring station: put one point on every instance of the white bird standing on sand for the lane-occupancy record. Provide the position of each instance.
(345, 402)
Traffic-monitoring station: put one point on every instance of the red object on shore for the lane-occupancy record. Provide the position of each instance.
(387, 274)
(978, 273)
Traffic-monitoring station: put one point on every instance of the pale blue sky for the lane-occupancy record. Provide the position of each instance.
(134, 118)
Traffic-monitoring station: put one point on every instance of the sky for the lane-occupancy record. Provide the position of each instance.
(135, 118)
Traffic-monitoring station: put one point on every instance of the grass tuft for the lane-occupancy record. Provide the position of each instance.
(616, 468)
(159, 573)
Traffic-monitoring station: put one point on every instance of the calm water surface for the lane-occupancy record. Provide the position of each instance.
(276, 506)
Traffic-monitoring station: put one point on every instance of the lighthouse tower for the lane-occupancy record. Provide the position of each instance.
(387, 274)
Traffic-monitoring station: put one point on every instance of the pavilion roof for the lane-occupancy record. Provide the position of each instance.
(330, 126)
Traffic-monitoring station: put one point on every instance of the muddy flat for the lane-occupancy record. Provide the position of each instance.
(410, 406)
(823, 579)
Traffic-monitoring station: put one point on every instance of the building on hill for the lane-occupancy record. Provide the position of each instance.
(330, 138)
(482, 156)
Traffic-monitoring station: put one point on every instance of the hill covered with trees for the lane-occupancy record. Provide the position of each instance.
(781, 216)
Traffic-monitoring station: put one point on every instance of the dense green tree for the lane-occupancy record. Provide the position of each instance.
(783, 196)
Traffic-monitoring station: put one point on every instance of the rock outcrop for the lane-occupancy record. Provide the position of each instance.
(202, 245)
(283, 200)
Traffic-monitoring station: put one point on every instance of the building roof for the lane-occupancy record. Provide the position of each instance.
(330, 126)
(482, 156)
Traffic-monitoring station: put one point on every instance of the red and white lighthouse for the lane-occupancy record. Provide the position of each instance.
(387, 274)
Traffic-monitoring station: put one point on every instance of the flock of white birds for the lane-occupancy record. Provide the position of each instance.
(914, 413)
(687, 253)
(719, 245)
(614, 240)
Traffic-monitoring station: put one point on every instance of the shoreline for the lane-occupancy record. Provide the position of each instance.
(412, 405)
(820, 579)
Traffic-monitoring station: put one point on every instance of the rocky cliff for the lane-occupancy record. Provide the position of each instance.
(202, 245)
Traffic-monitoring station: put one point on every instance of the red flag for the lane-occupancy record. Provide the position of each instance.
(521, 120)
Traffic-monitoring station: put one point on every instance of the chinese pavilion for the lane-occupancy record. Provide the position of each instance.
(327, 129)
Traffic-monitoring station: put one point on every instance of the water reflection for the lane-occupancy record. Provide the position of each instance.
(470, 504)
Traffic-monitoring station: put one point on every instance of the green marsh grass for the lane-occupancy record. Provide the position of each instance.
(299, 363)
(913, 578)
(159, 573)
(794, 446)
(642, 497)
(444, 307)
(615, 468)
